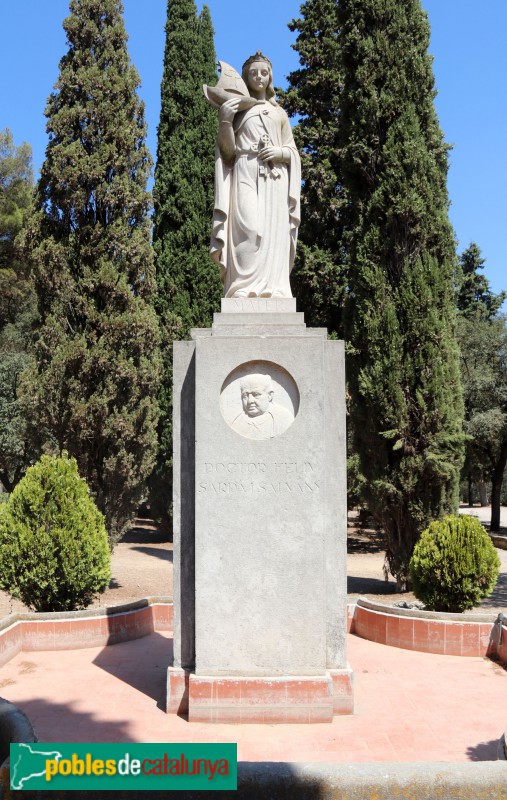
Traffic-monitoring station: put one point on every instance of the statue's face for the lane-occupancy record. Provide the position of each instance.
(258, 76)
(255, 398)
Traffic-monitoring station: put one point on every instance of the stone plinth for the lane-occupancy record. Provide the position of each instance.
(281, 699)
(259, 519)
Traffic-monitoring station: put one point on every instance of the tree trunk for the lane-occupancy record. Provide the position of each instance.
(496, 487)
(483, 493)
(7, 485)
(470, 491)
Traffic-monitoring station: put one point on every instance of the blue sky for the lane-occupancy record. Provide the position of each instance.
(470, 69)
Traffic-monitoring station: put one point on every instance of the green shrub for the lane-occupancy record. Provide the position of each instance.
(454, 564)
(54, 552)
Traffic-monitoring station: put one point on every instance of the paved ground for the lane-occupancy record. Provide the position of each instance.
(409, 706)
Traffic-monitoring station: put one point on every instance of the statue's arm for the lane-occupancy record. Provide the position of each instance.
(280, 155)
(226, 139)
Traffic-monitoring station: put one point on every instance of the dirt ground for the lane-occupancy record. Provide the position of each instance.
(142, 567)
(365, 560)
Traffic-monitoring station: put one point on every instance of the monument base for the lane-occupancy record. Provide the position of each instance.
(287, 699)
(260, 524)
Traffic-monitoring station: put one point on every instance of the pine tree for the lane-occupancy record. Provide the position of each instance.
(89, 243)
(188, 285)
(474, 296)
(403, 366)
(318, 279)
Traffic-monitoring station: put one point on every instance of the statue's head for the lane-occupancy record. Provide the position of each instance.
(256, 394)
(255, 60)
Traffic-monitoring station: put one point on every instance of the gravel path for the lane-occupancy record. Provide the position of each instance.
(365, 560)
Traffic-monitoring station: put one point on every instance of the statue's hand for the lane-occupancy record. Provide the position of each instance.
(271, 154)
(229, 109)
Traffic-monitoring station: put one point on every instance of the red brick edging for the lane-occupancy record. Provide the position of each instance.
(72, 630)
(429, 631)
(257, 699)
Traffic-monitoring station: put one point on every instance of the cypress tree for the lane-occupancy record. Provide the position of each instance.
(94, 389)
(17, 308)
(16, 188)
(188, 284)
(403, 366)
(318, 279)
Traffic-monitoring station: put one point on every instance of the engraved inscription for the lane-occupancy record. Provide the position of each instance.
(258, 478)
(235, 468)
(255, 467)
(258, 304)
(258, 487)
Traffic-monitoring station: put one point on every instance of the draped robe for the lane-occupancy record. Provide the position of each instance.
(257, 208)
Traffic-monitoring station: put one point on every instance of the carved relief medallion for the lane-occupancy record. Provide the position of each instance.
(259, 400)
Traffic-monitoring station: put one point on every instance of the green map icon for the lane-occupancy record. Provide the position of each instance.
(25, 768)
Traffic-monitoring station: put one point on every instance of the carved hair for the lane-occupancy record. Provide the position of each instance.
(270, 89)
(265, 380)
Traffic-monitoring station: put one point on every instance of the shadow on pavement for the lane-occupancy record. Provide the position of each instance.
(147, 533)
(498, 597)
(357, 585)
(484, 751)
(165, 555)
(364, 544)
(59, 722)
(141, 664)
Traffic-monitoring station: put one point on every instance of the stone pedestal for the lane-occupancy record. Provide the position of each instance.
(259, 521)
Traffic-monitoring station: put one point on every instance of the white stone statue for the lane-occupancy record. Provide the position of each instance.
(261, 417)
(257, 184)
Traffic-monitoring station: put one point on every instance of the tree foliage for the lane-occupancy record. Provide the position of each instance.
(474, 296)
(188, 284)
(94, 389)
(403, 365)
(454, 564)
(319, 279)
(484, 375)
(482, 337)
(17, 307)
(54, 552)
(16, 185)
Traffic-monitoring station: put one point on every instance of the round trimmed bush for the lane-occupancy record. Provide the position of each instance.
(54, 552)
(454, 564)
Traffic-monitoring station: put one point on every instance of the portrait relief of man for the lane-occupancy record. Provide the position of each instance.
(262, 417)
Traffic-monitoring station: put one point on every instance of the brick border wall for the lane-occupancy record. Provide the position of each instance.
(498, 540)
(73, 630)
(430, 632)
